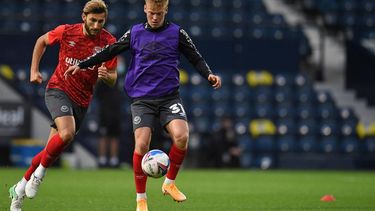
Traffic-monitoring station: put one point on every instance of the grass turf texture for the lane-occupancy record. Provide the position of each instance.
(205, 189)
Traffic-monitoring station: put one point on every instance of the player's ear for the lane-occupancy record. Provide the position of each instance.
(83, 17)
(166, 10)
(145, 8)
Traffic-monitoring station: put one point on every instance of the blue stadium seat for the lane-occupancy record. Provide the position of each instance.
(263, 94)
(349, 144)
(307, 143)
(264, 144)
(243, 94)
(199, 109)
(243, 109)
(286, 126)
(369, 145)
(202, 124)
(285, 110)
(222, 108)
(306, 111)
(264, 110)
(286, 143)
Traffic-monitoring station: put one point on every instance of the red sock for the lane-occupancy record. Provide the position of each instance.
(140, 178)
(34, 164)
(53, 150)
(176, 156)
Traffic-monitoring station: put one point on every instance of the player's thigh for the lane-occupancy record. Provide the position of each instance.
(144, 114)
(60, 105)
(172, 109)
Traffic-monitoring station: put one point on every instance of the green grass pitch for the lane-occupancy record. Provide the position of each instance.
(225, 190)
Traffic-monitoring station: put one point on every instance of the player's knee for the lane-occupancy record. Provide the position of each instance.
(181, 138)
(67, 135)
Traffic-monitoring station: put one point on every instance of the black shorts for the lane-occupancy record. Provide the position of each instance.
(146, 111)
(59, 104)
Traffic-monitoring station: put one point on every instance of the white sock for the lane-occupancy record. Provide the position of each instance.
(141, 196)
(20, 188)
(168, 181)
(113, 161)
(40, 171)
(102, 160)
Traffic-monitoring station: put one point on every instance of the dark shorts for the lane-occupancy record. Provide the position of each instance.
(145, 112)
(59, 104)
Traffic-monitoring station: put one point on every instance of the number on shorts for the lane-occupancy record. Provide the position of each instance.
(177, 108)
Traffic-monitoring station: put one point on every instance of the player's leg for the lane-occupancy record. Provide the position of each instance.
(179, 132)
(54, 148)
(114, 149)
(143, 115)
(102, 151)
(142, 142)
(17, 191)
(114, 132)
(61, 110)
(173, 117)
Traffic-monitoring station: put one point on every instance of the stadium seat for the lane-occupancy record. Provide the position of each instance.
(243, 109)
(369, 145)
(349, 144)
(264, 144)
(307, 143)
(285, 110)
(286, 143)
(306, 111)
(202, 124)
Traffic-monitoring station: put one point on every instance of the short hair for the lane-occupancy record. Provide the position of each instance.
(158, 2)
(96, 7)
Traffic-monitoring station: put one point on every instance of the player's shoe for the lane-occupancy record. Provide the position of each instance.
(142, 205)
(172, 190)
(17, 200)
(32, 186)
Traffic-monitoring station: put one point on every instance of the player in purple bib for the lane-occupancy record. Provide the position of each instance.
(152, 81)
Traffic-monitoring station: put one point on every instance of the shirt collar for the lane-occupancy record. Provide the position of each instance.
(161, 28)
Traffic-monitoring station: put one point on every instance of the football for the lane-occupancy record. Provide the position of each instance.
(155, 163)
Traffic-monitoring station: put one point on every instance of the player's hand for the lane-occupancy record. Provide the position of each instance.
(215, 81)
(71, 71)
(103, 72)
(36, 77)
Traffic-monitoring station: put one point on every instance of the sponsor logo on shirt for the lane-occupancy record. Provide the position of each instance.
(72, 43)
(72, 61)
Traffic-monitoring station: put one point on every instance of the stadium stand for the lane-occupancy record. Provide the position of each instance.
(278, 114)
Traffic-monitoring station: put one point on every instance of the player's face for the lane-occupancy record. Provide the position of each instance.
(155, 14)
(93, 23)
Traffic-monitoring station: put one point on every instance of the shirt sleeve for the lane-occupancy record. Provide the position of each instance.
(112, 64)
(108, 52)
(55, 35)
(192, 54)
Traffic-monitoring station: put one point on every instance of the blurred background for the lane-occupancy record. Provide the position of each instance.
(298, 83)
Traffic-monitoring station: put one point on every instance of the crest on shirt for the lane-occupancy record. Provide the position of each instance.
(97, 49)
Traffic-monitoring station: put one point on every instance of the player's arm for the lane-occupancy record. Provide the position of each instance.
(188, 49)
(105, 54)
(39, 49)
(108, 76)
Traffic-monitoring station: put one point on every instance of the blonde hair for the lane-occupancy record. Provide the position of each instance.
(158, 2)
(96, 7)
